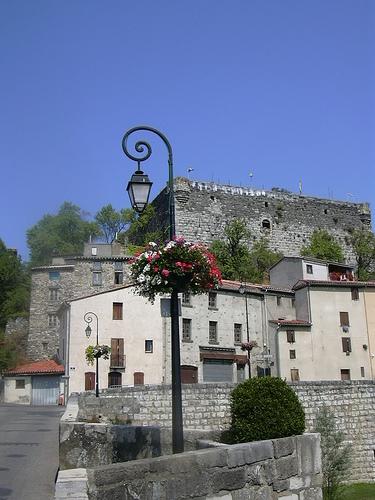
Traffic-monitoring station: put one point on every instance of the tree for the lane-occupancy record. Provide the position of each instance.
(336, 458)
(363, 244)
(64, 233)
(14, 286)
(323, 246)
(139, 233)
(236, 261)
(111, 222)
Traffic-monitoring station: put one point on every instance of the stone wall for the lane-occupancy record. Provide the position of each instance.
(207, 407)
(288, 468)
(204, 208)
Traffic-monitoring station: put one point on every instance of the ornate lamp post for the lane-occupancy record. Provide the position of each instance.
(88, 317)
(139, 188)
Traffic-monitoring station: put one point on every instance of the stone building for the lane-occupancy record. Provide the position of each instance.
(101, 267)
(212, 328)
(285, 218)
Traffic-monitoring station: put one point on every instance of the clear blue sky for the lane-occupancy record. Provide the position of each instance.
(283, 89)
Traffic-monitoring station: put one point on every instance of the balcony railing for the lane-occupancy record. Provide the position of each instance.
(117, 361)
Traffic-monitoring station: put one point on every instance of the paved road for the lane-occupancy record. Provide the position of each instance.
(28, 451)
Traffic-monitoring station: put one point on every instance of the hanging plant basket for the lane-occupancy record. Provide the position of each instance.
(178, 266)
(95, 352)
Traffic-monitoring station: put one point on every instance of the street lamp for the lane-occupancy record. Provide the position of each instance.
(242, 291)
(88, 317)
(139, 188)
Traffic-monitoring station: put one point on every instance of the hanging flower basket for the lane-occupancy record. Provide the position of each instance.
(178, 266)
(248, 346)
(95, 352)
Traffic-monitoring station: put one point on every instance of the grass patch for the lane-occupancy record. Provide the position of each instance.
(359, 491)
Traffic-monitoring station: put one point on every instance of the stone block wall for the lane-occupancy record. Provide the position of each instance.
(207, 407)
(288, 468)
(204, 208)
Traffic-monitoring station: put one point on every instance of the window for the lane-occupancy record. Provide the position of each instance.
(292, 354)
(278, 301)
(237, 330)
(186, 299)
(89, 381)
(290, 336)
(149, 345)
(186, 330)
(294, 375)
(139, 378)
(355, 293)
(94, 251)
(345, 374)
(20, 384)
(266, 224)
(54, 294)
(97, 266)
(362, 371)
(212, 332)
(293, 302)
(119, 273)
(96, 278)
(346, 345)
(54, 275)
(212, 299)
(309, 269)
(53, 320)
(117, 353)
(44, 346)
(117, 310)
(344, 318)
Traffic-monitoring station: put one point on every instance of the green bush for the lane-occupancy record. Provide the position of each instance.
(264, 408)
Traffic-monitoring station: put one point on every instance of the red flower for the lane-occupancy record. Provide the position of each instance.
(165, 273)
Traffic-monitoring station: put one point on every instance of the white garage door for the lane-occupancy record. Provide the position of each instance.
(45, 390)
(217, 370)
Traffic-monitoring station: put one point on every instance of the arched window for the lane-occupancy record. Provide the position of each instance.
(266, 224)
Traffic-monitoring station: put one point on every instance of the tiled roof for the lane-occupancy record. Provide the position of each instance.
(290, 322)
(42, 367)
(331, 284)
(253, 287)
(314, 260)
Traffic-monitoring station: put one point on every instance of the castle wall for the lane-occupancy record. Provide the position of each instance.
(203, 209)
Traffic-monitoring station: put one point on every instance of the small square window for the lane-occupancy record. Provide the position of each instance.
(149, 345)
(54, 275)
(96, 278)
(355, 293)
(20, 384)
(344, 319)
(45, 346)
(119, 277)
(212, 299)
(117, 310)
(346, 345)
(278, 301)
(362, 371)
(53, 320)
(237, 331)
(292, 354)
(345, 374)
(186, 299)
(54, 294)
(118, 265)
(186, 330)
(290, 336)
(309, 269)
(97, 266)
(212, 332)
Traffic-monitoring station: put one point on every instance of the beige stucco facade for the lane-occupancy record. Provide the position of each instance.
(369, 299)
(327, 350)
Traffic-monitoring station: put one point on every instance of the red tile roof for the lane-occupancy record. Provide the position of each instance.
(332, 284)
(42, 367)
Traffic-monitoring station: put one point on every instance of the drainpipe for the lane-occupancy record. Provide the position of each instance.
(67, 350)
(370, 347)
(277, 350)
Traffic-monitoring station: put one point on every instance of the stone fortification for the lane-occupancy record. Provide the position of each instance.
(207, 407)
(287, 219)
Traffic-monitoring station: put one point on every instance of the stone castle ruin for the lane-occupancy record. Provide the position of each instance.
(286, 219)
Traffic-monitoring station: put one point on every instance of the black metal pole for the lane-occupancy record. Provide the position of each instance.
(247, 335)
(88, 318)
(177, 420)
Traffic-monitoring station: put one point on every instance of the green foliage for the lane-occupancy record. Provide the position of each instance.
(363, 243)
(112, 222)
(139, 233)
(98, 351)
(236, 261)
(359, 491)
(264, 408)
(323, 246)
(11, 351)
(14, 286)
(61, 234)
(336, 459)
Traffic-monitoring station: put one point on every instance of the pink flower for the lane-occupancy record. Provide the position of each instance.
(156, 269)
(165, 273)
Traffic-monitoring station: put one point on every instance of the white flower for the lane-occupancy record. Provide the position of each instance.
(171, 244)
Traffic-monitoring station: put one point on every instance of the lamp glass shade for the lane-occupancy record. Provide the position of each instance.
(88, 331)
(139, 188)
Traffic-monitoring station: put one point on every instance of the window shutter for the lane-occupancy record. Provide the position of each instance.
(344, 318)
